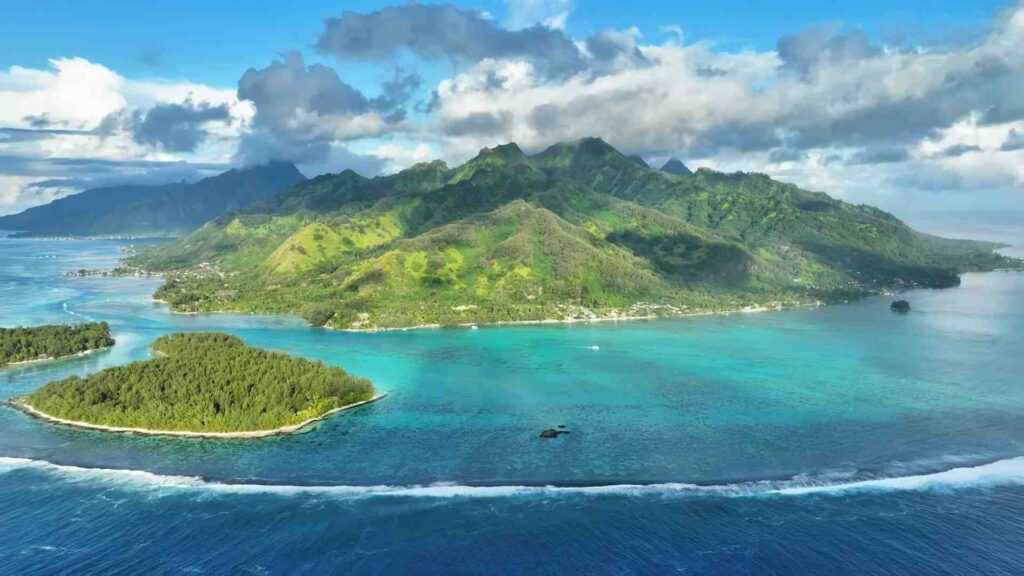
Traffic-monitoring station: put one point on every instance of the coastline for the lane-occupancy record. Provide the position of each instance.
(54, 358)
(435, 326)
(500, 323)
(20, 404)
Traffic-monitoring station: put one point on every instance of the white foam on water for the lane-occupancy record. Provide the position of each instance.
(1001, 472)
(1009, 471)
(73, 313)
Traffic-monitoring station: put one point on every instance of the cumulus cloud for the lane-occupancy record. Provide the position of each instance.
(288, 85)
(446, 32)
(659, 107)
(396, 156)
(821, 89)
(395, 93)
(828, 108)
(479, 124)
(176, 127)
(78, 124)
(1014, 141)
(611, 51)
(805, 52)
(73, 93)
(300, 109)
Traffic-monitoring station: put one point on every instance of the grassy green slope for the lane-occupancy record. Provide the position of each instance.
(576, 230)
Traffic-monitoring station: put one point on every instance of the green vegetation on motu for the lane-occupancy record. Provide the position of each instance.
(54, 341)
(576, 231)
(204, 382)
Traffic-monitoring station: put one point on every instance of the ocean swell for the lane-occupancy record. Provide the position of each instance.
(1000, 472)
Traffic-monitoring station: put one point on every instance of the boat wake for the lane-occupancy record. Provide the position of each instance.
(1001, 472)
(64, 306)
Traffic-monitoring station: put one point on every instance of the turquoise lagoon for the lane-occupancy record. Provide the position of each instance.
(840, 439)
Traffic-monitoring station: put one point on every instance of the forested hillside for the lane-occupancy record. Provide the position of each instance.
(577, 231)
(168, 210)
(204, 382)
(25, 344)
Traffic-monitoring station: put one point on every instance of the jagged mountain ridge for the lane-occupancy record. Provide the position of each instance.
(170, 209)
(576, 229)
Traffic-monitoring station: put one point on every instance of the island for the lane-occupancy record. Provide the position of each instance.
(576, 233)
(37, 343)
(202, 385)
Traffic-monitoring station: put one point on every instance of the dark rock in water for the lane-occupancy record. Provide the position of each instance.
(561, 425)
(552, 433)
(900, 306)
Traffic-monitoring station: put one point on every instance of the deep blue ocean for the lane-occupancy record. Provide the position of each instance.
(836, 440)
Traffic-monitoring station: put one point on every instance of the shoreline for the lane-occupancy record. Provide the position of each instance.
(551, 321)
(19, 404)
(438, 326)
(55, 358)
(547, 321)
(499, 323)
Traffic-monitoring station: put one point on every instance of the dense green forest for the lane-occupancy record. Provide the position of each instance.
(167, 210)
(577, 231)
(43, 342)
(204, 382)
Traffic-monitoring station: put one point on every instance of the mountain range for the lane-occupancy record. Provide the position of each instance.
(578, 231)
(167, 210)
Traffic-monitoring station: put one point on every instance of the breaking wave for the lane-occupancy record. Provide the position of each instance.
(1000, 472)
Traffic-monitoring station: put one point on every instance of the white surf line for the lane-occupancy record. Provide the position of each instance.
(1008, 471)
(1002, 472)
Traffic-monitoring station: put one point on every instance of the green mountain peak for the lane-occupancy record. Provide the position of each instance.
(576, 231)
(675, 166)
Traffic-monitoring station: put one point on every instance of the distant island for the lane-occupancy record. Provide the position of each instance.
(140, 211)
(37, 343)
(576, 232)
(204, 385)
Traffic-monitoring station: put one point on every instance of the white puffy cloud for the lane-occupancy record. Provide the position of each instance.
(828, 109)
(398, 156)
(692, 98)
(77, 124)
(74, 93)
(16, 196)
(668, 105)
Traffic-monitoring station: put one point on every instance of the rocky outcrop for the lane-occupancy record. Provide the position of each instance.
(901, 306)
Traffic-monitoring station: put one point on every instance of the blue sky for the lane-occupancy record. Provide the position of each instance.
(898, 104)
(214, 41)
